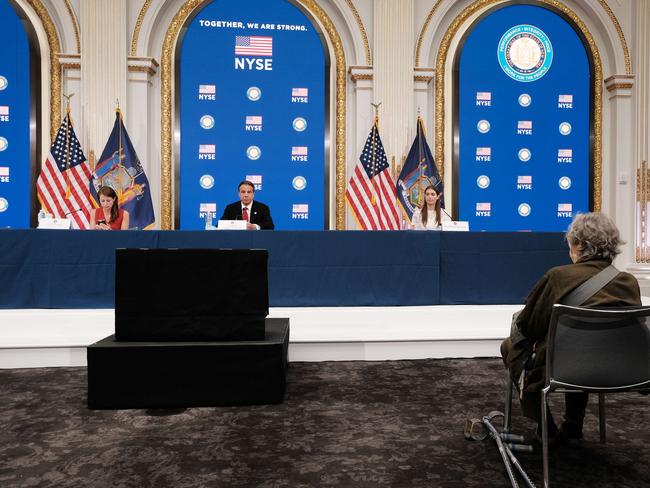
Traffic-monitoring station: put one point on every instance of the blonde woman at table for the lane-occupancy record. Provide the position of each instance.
(430, 216)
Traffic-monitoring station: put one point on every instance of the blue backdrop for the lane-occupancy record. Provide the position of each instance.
(252, 106)
(524, 112)
(14, 120)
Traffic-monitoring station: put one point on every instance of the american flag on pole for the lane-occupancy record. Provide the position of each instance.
(253, 46)
(371, 188)
(62, 186)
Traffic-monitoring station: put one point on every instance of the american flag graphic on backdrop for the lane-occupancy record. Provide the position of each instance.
(371, 188)
(62, 186)
(253, 46)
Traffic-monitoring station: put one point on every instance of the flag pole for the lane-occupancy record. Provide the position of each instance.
(119, 148)
(67, 145)
(373, 157)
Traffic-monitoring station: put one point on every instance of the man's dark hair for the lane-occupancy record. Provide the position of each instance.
(246, 182)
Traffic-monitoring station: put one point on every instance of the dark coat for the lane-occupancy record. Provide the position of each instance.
(259, 214)
(552, 288)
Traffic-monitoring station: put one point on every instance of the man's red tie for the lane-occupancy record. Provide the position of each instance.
(244, 214)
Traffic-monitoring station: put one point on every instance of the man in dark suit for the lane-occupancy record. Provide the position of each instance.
(255, 213)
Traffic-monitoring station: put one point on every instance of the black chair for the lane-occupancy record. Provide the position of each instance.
(595, 351)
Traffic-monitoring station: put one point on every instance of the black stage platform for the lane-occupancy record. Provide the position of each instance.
(189, 374)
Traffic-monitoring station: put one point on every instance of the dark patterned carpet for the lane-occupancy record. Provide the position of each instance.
(356, 424)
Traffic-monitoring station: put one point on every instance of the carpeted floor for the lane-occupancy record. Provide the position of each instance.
(348, 424)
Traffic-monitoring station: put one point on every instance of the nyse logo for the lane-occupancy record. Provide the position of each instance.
(300, 211)
(206, 151)
(4, 174)
(484, 99)
(299, 95)
(254, 64)
(524, 183)
(254, 53)
(4, 113)
(525, 127)
(254, 123)
(207, 208)
(207, 92)
(256, 180)
(565, 101)
(565, 210)
(483, 209)
(565, 155)
(484, 154)
(299, 153)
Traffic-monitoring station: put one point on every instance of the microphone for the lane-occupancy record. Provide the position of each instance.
(446, 213)
(71, 212)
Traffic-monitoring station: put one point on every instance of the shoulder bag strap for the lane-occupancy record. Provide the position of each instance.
(590, 287)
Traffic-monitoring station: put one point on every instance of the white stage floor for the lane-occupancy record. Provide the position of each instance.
(43, 338)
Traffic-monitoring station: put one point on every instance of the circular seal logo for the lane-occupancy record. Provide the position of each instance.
(4, 143)
(525, 100)
(483, 181)
(564, 182)
(524, 154)
(207, 122)
(253, 152)
(299, 183)
(4, 204)
(483, 126)
(565, 128)
(299, 124)
(3, 83)
(525, 53)
(254, 93)
(206, 182)
(524, 210)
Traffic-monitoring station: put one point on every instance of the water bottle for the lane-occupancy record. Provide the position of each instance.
(208, 220)
(41, 215)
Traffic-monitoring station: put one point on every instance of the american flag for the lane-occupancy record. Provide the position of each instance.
(4, 170)
(4, 110)
(255, 179)
(483, 151)
(524, 124)
(299, 151)
(565, 153)
(484, 206)
(371, 189)
(208, 207)
(63, 185)
(299, 92)
(565, 99)
(208, 89)
(253, 120)
(206, 148)
(524, 180)
(253, 46)
(564, 207)
(487, 96)
(300, 208)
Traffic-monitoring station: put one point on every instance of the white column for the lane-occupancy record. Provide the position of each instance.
(103, 68)
(642, 106)
(394, 37)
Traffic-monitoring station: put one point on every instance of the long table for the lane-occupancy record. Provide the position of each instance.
(75, 269)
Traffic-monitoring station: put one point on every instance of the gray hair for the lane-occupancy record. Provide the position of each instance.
(596, 235)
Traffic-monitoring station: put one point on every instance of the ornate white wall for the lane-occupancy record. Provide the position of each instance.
(390, 49)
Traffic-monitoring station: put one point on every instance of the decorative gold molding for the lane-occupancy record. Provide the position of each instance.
(166, 96)
(364, 36)
(422, 78)
(138, 25)
(55, 69)
(75, 25)
(621, 36)
(619, 82)
(425, 26)
(69, 61)
(357, 77)
(441, 60)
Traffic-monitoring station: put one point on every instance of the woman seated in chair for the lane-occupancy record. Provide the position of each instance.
(109, 215)
(430, 215)
(593, 241)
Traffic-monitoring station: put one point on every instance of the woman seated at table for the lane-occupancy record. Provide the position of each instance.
(109, 215)
(430, 215)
